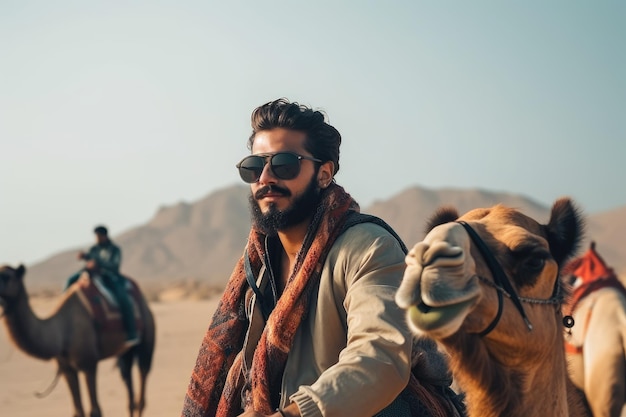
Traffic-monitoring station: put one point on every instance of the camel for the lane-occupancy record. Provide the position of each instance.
(595, 346)
(486, 287)
(70, 336)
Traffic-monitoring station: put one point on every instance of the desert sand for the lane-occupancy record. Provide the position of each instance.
(180, 327)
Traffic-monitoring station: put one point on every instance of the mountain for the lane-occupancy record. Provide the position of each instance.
(200, 242)
(608, 230)
(183, 242)
(408, 211)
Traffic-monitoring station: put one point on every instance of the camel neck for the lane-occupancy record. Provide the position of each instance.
(530, 387)
(36, 337)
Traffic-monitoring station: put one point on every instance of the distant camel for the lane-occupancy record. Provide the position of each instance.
(72, 337)
(486, 287)
(596, 345)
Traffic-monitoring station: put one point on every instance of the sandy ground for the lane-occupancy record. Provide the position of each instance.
(180, 328)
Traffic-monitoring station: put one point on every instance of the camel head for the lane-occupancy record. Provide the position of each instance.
(452, 286)
(11, 284)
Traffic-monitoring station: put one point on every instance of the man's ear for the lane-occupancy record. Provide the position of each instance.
(325, 174)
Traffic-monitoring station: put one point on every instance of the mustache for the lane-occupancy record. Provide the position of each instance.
(271, 189)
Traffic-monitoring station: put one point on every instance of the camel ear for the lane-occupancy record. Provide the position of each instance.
(442, 215)
(20, 271)
(565, 229)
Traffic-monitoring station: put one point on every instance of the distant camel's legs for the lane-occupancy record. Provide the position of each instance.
(144, 354)
(125, 363)
(71, 377)
(141, 404)
(90, 379)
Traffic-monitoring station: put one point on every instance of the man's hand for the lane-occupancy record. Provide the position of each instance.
(91, 265)
(81, 255)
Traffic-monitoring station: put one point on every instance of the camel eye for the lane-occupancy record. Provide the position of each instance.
(535, 264)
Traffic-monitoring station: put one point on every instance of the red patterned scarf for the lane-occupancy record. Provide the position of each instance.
(217, 379)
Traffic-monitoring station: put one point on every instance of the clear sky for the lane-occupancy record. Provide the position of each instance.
(109, 110)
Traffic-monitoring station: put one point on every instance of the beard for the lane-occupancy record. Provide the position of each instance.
(275, 220)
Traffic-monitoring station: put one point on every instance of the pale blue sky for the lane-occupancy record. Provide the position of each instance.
(109, 110)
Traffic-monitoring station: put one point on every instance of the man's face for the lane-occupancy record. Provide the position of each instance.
(274, 220)
(101, 238)
(277, 204)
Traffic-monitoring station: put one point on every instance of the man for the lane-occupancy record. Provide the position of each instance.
(104, 258)
(307, 325)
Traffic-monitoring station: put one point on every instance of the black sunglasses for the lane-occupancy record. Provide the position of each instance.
(284, 165)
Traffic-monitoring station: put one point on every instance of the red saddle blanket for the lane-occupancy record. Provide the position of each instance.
(593, 273)
(102, 305)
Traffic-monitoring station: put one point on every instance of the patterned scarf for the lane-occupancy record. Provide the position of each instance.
(217, 379)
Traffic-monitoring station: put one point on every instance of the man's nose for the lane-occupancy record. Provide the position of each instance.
(267, 176)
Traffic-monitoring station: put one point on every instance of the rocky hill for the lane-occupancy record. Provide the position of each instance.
(195, 245)
(181, 243)
(408, 211)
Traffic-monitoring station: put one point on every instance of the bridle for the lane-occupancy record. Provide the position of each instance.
(503, 286)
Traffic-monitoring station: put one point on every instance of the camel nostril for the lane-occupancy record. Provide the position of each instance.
(423, 307)
(444, 256)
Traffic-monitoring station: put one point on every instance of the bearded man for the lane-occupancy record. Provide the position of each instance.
(308, 325)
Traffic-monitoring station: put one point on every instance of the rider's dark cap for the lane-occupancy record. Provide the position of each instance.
(101, 230)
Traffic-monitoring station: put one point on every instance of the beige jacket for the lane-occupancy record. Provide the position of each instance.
(351, 354)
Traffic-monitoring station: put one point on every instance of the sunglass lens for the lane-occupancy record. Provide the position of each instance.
(285, 166)
(250, 168)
